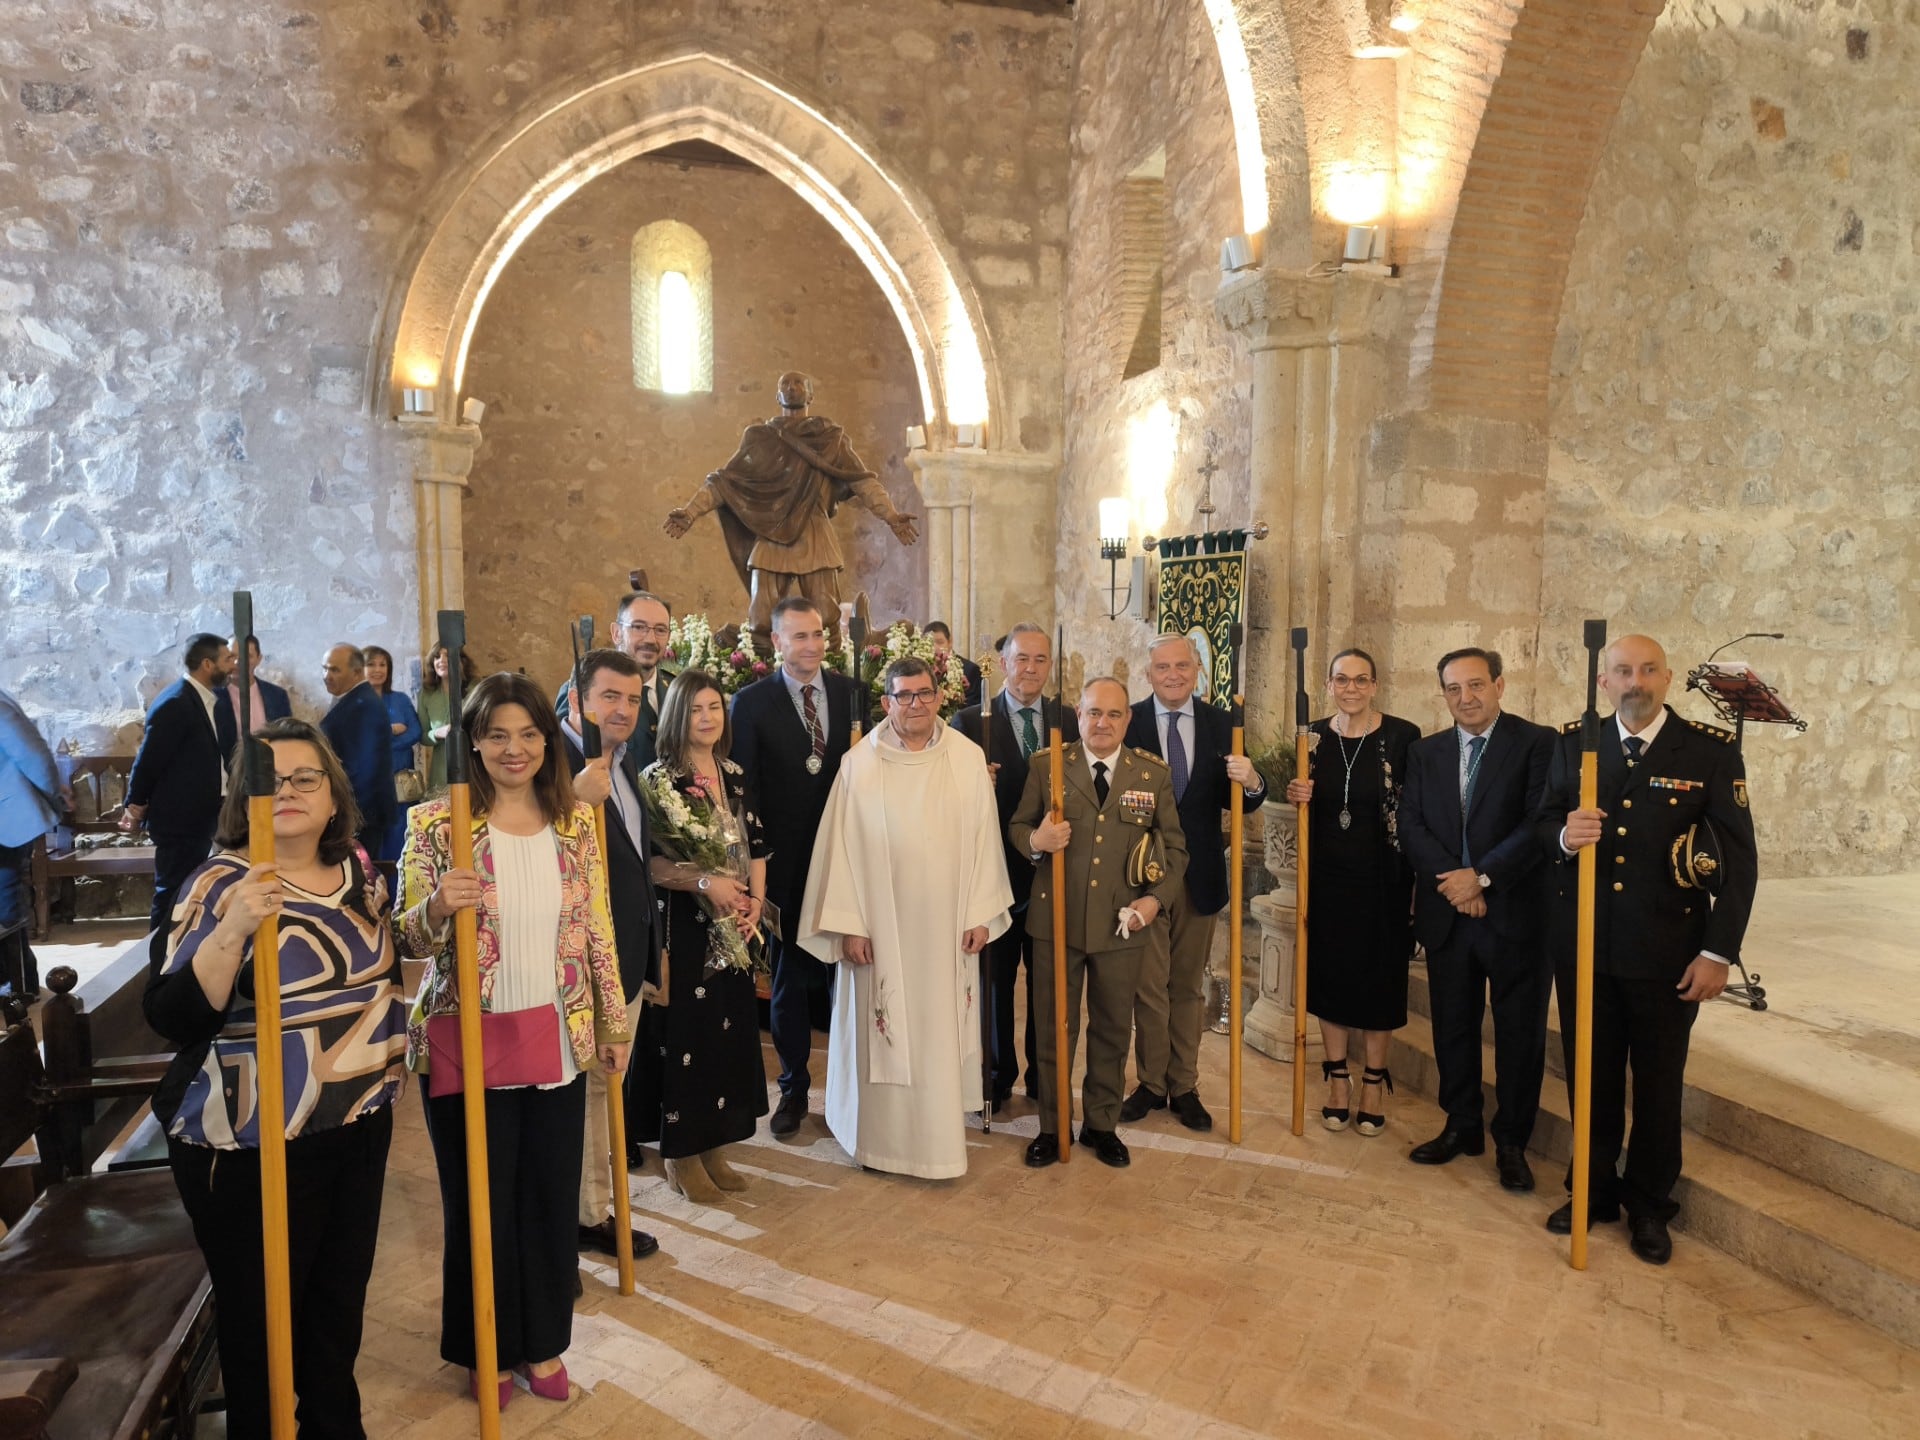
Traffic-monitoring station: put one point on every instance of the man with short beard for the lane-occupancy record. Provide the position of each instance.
(1677, 868)
(642, 625)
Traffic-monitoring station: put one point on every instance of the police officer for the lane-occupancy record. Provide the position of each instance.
(1126, 862)
(1677, 868)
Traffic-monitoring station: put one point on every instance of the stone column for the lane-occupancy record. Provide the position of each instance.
(989, 533)
(441, 455)
(1316, 342)
(1268, 1026)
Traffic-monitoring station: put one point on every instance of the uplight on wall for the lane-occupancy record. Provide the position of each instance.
(1116, 534)
(916, 437)
(969, 437)
(416, 400)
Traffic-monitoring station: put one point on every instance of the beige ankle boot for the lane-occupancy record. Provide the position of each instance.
(689, 1177)
(720, 1172)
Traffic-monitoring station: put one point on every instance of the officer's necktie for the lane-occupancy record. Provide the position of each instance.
(1030, 737)
(1176, 755)
(1634, 746)
(1100, 781)
(1474, 746)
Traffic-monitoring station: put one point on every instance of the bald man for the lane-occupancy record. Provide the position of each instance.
(362, 736)
(1115, 799)
(1677, 867)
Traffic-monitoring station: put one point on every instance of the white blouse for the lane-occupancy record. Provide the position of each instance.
(526, 876)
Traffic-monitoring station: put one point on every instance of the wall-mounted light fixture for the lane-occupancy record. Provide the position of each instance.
(916, 437)
(970, 437)
(416, 401)
(473, 411)
(1116, 531)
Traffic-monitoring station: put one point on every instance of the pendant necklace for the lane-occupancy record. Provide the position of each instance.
(1346, 790)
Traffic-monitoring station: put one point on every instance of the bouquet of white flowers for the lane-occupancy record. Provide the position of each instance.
(695, 832)
(949, 676)
(693, 646)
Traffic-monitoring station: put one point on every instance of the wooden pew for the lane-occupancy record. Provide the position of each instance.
(106, 1313)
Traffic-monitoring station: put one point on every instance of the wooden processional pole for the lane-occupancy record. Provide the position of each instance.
(466, 939)
(1056, 761)
(616, 1107)
(1302, 753)
(270, 1075)
(1236, 895)
(1596, 638)
(985, 990)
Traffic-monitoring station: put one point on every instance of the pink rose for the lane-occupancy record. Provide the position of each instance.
(760, 667)
(739, 657)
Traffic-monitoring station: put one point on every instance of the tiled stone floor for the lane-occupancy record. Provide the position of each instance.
(1318, 1286)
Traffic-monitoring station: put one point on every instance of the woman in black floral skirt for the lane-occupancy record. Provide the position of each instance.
(1360, 888)
(702, 1082)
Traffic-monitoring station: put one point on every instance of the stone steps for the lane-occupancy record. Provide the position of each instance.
(1787, 1225)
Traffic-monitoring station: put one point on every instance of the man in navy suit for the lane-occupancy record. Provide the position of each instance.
(1196, 741)
(361, 734)
(614, 689)
(270, 702)
(942, 638)
(180, 773)
(1480, 909)
(789, 732)
(642, 628)
(1022, 719)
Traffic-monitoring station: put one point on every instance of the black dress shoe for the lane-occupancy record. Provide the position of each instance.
(1001, 1099)
(1447, 1144)
(600, 1238)
(1043, 1151)
(579, 1286)
(1190, 1111)
(1648, 1238)
(1515, 1173)
(1108, 1148)
(636, 1155)
(787, 1115)
(1560, 1222)
(1142, 1100)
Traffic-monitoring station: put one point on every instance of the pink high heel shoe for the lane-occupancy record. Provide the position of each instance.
(506, 1387)
(547, 1387)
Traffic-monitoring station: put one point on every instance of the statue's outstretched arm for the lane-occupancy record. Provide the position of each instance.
(872, 494)
(679, 521)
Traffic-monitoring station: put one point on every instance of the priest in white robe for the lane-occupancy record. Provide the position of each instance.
(908, 884)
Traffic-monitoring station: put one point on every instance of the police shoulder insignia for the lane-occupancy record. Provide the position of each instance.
(1740, 793)
(1725, 737)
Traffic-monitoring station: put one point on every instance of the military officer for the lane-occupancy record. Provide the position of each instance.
(1126, 860)
(1677, 868)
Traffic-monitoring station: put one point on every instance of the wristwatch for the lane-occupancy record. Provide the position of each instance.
(1486, 880)
(705, 883)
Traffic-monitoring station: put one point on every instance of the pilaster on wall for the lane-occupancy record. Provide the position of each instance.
(442, 457)
(1319, 381)
(989, 532)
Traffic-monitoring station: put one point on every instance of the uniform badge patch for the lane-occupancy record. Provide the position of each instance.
(1740, 793)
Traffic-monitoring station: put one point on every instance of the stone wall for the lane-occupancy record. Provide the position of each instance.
(1147, 79)
(1734, 409)
(578, 465)
(209, 210)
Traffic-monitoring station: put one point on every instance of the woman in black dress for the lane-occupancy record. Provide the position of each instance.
(702, 1083)
(1360, 896)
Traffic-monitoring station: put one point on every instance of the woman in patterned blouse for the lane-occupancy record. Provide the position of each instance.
(343, 1021)
(547, 965)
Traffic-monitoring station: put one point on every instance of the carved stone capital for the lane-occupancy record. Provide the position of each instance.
(1294, 310)
(946, 478)
(442, 454)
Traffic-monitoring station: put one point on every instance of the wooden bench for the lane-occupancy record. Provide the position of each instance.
(106, 1313)
(99, 784)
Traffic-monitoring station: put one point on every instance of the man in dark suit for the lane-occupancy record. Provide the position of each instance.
(1022, 719)
(361, 734)
(1195, 739)
(178, 775)
(1678, 867)
(789, 732)
(1479, 908)
(942, 638)
(614, 686)
(270, 702)
(642, 626)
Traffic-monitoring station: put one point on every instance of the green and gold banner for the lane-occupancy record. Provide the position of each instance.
(1201, 596)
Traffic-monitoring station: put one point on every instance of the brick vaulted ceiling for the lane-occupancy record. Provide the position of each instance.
(1540, 140)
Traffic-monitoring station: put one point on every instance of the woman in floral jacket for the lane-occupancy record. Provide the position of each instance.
(550, 983)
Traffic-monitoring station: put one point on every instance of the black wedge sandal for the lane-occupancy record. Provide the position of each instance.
(1363, 1121)
(1331, 1070)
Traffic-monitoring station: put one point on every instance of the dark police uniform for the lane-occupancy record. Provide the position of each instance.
(1139, 803)
(1676, 821)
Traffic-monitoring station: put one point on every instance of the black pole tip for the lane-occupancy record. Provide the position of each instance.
(1300, 638)
(1596, 634)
